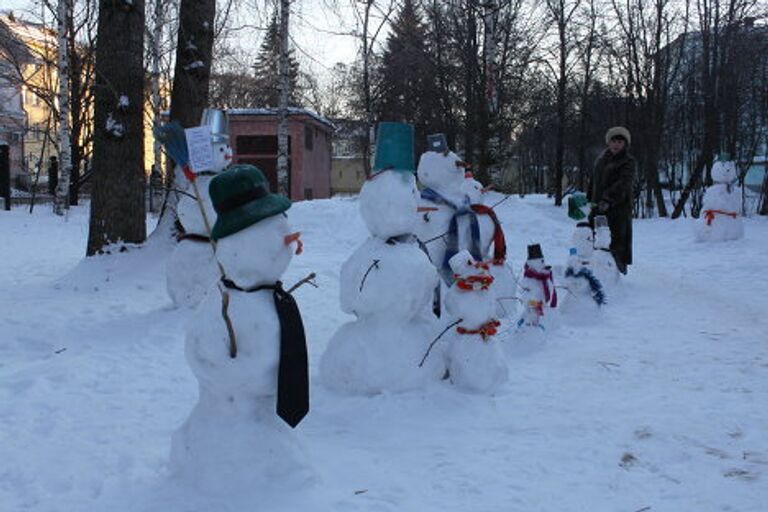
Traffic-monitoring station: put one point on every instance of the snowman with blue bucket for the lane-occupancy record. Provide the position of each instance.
(247, 350)
(387, 284)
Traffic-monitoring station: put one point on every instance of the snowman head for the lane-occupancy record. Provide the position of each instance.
(441, 172)
(218, 122)
(536, 258)
(724, 172)
(388, 202)
(583, 240)
(472, 188)
(254, 242)
(462, 263)
(602, 232)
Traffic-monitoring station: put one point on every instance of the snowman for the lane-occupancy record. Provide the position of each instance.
(475, 360)
(246, 347)
(455, 218)
(720, 219)
(192, 268)
(585, 294)
(538, 294)
(603, 262)
(387, 284)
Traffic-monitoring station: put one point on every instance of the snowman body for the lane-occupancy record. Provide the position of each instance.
(233, 438)
(474, 358)
(191, 269)
(721, 206)
(603, 263)
(388, 285)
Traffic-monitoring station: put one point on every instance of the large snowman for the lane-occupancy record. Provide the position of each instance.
(720, 218)
(192, 268)
(475, 361)
(584, 292)
(250, 361)
(387, 284)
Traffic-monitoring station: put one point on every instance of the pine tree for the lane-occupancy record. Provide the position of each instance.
(266, 70)
(407, 89)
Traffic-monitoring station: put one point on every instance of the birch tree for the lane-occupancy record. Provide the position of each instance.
(61, 199)
(283, 177)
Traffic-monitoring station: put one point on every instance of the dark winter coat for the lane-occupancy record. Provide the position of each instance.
(613, 181)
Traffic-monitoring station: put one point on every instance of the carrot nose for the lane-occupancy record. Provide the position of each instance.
(294, 237)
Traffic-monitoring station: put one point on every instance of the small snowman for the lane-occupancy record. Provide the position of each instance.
(603, 262)
(475, 360)
(387, 284)
(192, 268)
(246, 347)
(585, 291)
(720, 218)
(538, 292)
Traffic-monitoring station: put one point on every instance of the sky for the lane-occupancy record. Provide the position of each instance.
(315, 29)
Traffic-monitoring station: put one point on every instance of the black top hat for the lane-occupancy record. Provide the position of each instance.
(584, 225)
(534, 252)
(437, 143)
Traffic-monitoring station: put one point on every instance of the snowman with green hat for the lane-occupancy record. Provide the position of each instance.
(387, 284)
(192, 269)
(254, 386)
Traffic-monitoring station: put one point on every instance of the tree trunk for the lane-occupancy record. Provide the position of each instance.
(61, 199)
(283, 172)
(192, 73)
(157, 34)
(117, 206)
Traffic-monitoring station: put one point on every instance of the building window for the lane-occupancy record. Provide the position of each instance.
(258, 144)
(308, 142)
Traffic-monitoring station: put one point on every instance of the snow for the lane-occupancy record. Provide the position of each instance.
(659, 407)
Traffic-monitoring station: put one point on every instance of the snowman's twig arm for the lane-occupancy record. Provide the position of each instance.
(306, 280)
(499, 202)
(429, 349)
(228, 322)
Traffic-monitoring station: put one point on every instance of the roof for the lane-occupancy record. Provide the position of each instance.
(292, 111)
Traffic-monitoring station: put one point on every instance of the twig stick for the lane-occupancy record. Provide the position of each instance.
(429, 349)
(306, 280)
(228, 322)
(374, 264)
(499, 202)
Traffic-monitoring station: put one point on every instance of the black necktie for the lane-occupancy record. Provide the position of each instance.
(293, 370)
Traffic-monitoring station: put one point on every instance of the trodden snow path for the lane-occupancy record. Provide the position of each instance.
(660, 406)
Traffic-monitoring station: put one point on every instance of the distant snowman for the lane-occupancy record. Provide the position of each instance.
(191, 268)
(585, 295)
(388, 284)
(720, 218)
(537, 289)
(254, 390)
(603, 262)
(475, 360)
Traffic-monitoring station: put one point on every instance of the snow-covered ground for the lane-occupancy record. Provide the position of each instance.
(660, 406)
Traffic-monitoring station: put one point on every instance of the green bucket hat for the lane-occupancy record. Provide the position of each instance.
(394, 147)
(578, 206)
(241, 198)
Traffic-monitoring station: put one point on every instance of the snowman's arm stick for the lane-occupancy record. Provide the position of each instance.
(224, 295)
(429, 349)
(306, 280)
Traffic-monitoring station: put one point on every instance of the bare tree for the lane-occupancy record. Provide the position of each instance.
(283, 175)
(61, 199)
(117, 207)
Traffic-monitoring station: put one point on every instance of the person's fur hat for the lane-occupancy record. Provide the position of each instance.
(618, 131)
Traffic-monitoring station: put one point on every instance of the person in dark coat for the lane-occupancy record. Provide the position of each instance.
(611, 194)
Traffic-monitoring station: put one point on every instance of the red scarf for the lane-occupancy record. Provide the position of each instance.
(710, 215)
(499, 244)
(544, 278)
